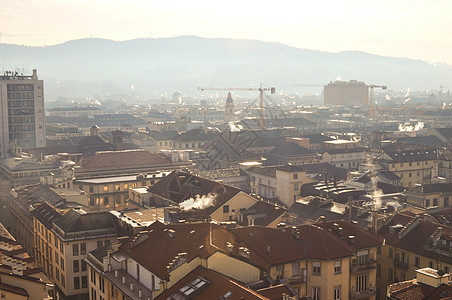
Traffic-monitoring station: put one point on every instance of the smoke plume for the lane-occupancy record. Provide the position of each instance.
(199, 202)
(407, 127)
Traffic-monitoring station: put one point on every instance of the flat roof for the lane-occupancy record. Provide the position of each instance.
(127, 178)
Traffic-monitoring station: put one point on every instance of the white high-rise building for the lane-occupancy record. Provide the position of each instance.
(21, 111)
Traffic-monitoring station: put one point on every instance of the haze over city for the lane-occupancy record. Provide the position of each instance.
(408, 28)
(181, 150)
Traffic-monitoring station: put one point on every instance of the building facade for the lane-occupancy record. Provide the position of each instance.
(21, 111)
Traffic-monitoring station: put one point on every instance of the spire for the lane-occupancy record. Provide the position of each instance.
(229, 99)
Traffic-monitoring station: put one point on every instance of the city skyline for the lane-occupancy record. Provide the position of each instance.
(411, 29)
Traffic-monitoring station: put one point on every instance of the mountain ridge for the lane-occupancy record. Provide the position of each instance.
(90, 66)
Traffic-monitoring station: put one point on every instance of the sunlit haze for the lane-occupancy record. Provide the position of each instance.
(414, 29)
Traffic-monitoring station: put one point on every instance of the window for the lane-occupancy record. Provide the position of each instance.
(295, 269)
(61, 247)
(106, 201)
(363, 257)
(402, 276)
(409, 174)
(417, 261)
(295, 187)
(84, 282)
(82, 248)
(76, 266)
(76, 283)
(225, 209)
(430, 264)
(279, 271)
(117, 187)
(337, 292)
(361, 283)
(56, 257)
(337, 267)
(126, 186)
(315, 293)
(295, 176)
(410, 164)
(62, 263)
(390, 275)
(83, 263)
(99, 244)
(105, 188)
(390, 253)
(63, 280)
(316, 267)
(91, 189)
(435, 201)
(427, 202)
(446, 269)
(75, 249)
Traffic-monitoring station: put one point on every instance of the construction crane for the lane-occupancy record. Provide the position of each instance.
(371, 98)
(261, 90)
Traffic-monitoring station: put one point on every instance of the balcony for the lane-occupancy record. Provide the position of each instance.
(401, 264)
(361, 267)
(370, 291)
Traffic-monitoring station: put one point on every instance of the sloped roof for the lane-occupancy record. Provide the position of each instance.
(290, 149)
(428, 140)
(46, 214)
(194, 239)
(180, 186)
(276, 292)
(197, 134)
(264, 213)
(128, 158)
(415, 240)
(446, 132)
(74, 221)
(218, 286)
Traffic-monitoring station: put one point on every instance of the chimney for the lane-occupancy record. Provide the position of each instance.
(295, 233)
(35, 74)
(171, 233)
(244, 252)
(116, 273)
(123, 280)
(351, 239)
(230, 248)
(432, 277)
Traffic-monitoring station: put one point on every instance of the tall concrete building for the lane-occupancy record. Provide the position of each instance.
(346, 93)
(21, 111)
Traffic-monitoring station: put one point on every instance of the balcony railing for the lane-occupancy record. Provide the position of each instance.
(363, 266)
(401, 264)
(370, 291)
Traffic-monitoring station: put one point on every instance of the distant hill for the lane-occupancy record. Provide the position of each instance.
(97, 66)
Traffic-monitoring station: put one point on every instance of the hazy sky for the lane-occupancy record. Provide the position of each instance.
(403, 28)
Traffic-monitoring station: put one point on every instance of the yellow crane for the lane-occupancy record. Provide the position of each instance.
(371, 98)
(261, 90)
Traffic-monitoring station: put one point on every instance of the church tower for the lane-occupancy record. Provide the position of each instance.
(229, 109)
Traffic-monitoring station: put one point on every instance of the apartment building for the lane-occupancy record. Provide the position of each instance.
(412, 242)
(20, 277)
(112, 193)
(62, 241)
(155, 261)
(430, 196)
(413, 166)
(21, 111)
(346, 93)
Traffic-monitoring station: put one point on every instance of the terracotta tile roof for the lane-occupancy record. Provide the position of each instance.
(416, 239)
(280, 245)
(196, 240)
(276, 292)
(180, 186)
(413, 290)
(128, 158)
(217, 286)
(13, 289)
(363, 237)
